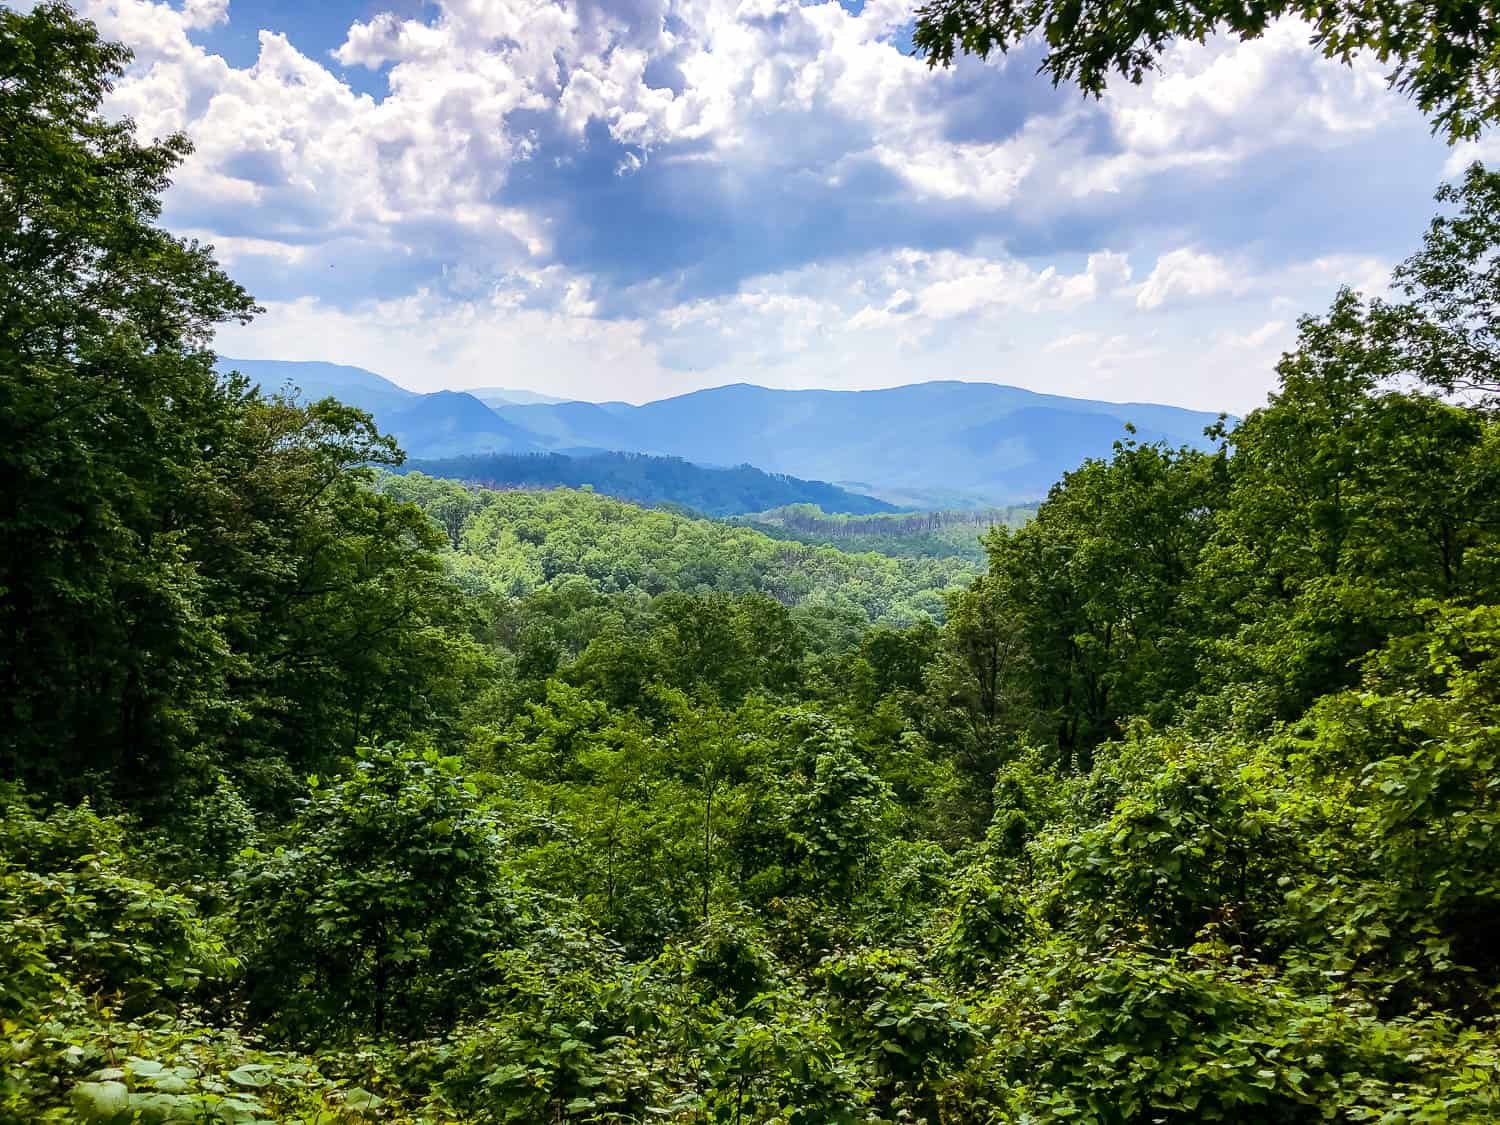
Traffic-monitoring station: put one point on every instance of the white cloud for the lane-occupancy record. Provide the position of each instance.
(878, 320)
(205, 13)
(1185, 273)
(1233, 94)
(298, 178)
(769, 83)
(1257, 338)
(918, 291)
(1486, 149)
(1360, 272)
(286, 147)
(1072, 340)
(428, 342)
(777, 82)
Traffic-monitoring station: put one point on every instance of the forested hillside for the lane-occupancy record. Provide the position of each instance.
(511, 543)
(333, 796)
(655, 480)
(902, 534)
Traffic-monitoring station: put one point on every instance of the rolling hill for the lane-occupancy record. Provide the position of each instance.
(981, 442)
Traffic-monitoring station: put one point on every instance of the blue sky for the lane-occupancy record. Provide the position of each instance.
(624, 199)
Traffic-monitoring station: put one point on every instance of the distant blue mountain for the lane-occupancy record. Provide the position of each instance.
(353, 385)
(511, 396)
(999, 442)
(984, 441)
(442, 424)
(448, 423)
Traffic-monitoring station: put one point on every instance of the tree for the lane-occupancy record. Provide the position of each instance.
(194, 576)
(1447, 331)
(378, 913)
(1086, 615)
(334, 605)
(1445, 58)
(1348, 503)
(109, 406)
(451, 504)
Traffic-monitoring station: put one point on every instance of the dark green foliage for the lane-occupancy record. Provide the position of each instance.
(379, 910)
(1447, 330)
(195, 578)
(107, 401)
(1444, 59)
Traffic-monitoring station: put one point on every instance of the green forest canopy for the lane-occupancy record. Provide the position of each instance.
(1186, 812)
(511, 543)
(943, 533)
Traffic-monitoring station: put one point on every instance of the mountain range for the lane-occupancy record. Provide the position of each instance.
(976, 441)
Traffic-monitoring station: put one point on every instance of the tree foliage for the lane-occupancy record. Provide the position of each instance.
(1445, 59)
(194, 577)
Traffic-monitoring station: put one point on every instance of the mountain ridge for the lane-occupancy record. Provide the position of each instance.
(644, 479)
(985, 440)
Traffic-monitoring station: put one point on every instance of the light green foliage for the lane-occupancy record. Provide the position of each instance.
(1347, 505)
(912, 1034)
(902, 534)
(517, 542)
(1200, 841)
(1088, 615)
(1130, 1035)
(81, 908)
(1419, 748)
(822, 811)
(990, 923)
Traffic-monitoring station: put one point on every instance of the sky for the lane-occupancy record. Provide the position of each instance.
(629, 199)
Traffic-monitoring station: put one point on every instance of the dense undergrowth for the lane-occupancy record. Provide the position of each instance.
(321, 805)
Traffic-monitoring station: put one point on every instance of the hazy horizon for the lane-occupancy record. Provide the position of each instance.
(493, 386)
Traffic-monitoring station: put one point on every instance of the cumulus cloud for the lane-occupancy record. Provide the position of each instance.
(1185, 273)
(427, 341)
(764, 189)
(1257, 338)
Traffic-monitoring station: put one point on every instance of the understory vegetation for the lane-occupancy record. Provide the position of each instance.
(331, 796)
